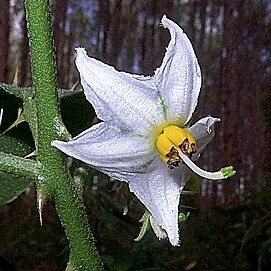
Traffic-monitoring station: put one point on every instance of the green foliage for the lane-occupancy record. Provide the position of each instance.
(236, 238)
(12, 90)
(34, 244)
(77, 113)
(18, 142)
(12, 186)
(41, 112)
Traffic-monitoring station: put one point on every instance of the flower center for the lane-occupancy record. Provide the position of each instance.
(171, 142)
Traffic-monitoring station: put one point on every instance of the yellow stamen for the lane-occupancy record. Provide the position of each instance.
(181, 138)
(176, 145)
(164, 145)
(172, 140)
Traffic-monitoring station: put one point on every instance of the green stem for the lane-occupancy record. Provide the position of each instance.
(83, 255)
(17, 165)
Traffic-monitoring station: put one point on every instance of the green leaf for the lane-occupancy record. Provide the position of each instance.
(9, 106)
(17, 142)
(15, 145)
(15, 91)
(77, 112)
(12, 186)
(122, 260)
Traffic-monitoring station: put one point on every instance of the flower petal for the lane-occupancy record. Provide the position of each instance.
(179, 77)
(110, 150)
(118, 97)
(203, 131)
(159, 190)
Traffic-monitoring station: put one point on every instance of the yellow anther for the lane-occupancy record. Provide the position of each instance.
(164, 145)
(172, 140)
(181, 138)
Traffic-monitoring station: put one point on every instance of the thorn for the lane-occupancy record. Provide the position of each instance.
(40, 207)
(20, 118)
(1, 115)
(41, 197)
(15, 79)
(74, 85)
(33, 153)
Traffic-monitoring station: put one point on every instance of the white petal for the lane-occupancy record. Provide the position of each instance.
(179, 77)
(110, 150)
(159, 190)
(118, 97)
(203, 131)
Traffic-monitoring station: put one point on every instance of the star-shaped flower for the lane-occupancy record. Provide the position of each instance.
(143, 138)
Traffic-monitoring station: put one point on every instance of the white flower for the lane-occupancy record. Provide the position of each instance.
(141, 139)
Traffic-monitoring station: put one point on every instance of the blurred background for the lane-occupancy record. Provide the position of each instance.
(229, 227)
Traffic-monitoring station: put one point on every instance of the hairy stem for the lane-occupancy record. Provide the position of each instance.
(83, 255)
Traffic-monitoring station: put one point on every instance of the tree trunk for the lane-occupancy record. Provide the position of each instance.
(24, 55)
(231, 89)
(4, 39)
(59, 23)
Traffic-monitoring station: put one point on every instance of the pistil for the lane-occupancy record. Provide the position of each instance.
(177, 145)
(223, 173)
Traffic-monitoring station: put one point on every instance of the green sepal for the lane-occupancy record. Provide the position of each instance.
(125, 210)
(183, 217)
(145, 220)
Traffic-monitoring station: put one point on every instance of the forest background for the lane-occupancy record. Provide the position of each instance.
(229, 219)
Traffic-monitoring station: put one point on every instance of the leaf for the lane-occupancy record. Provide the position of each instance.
(13, 90)
(77, 112)
(12, 186)
(17, 146)
(9, 106)
(20, 119)
(19, 92)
